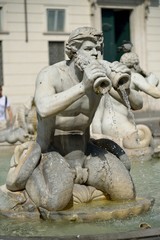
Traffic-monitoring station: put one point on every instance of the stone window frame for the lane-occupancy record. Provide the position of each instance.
(51, 7)
(3, 19)
(56, 15)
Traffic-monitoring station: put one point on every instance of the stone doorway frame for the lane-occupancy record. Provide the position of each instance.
(137, 22)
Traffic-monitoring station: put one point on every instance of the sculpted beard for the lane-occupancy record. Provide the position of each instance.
(81, 62)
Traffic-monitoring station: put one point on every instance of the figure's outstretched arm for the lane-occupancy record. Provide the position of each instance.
(135, 99)
(141, 83)
(120, 76)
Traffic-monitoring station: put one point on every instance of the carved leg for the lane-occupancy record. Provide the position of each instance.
(51, 184)
(112, 147)
(109, 175)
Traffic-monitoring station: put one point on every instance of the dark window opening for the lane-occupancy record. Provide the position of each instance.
(56, 52)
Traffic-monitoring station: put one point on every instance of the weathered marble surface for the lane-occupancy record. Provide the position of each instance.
(44, 174)
(24, 126)
(114, 121)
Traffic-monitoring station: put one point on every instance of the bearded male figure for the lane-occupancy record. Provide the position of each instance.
(67, 95)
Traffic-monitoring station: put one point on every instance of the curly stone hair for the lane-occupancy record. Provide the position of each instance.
(79, 35)
(129, 59)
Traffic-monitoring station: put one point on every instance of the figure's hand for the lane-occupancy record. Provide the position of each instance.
(152, 79)
(119, 67)
(92, 72)
(29, 137)
(81, 175)
(120, 75)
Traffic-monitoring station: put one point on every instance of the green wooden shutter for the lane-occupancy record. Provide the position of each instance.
(115, 27)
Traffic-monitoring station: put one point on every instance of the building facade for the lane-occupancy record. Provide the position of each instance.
(33, 34)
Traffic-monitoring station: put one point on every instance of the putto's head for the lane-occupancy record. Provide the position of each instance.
(79, 35)
(130, 59)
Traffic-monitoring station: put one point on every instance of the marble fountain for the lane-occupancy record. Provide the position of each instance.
(72, 179)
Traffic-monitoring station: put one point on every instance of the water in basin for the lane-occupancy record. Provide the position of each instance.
(146, 178)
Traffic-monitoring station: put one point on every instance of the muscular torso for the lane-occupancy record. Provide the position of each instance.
(69, 129)
(78, 116)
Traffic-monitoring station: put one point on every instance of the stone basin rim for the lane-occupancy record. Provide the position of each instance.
(80, 214)
(150, 234)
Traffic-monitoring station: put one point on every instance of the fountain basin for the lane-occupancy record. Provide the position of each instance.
(146, 178)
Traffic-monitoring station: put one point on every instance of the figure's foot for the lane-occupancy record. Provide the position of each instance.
(23, 162)
(16, 204)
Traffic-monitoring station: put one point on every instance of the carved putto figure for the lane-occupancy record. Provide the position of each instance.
(24, 125)
(135, 139)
